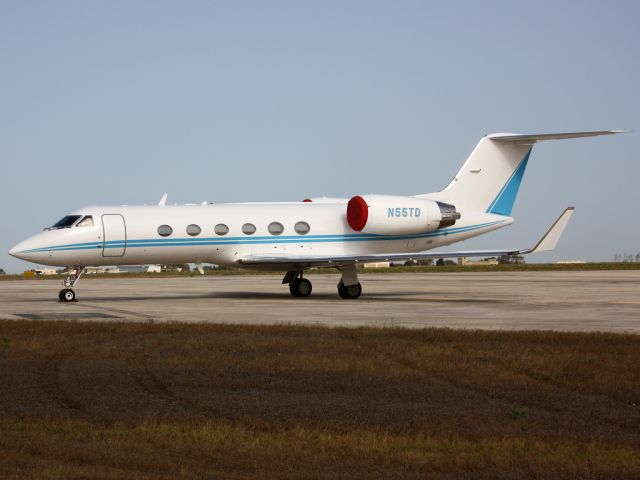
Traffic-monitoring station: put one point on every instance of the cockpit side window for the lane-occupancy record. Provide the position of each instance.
(86, 222)
(67, 221)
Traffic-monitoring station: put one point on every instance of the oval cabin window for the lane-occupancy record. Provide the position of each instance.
(302, 228)
(248, 229)
(165, 230)
(193, 230)
(221, 229)
(275, 228)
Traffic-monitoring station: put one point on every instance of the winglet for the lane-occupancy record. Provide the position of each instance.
(550, 239)
(163, 200)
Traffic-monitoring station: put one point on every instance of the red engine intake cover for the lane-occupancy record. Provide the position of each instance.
(357, 213)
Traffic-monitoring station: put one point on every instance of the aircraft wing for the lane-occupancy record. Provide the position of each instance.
(546, 243)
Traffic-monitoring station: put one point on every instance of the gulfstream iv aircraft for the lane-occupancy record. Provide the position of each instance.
(314, 233)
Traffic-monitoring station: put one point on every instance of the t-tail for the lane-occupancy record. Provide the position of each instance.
(490, 178)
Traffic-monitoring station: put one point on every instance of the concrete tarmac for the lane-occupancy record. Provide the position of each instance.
(566, 301)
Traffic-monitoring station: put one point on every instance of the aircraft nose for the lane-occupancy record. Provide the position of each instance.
(16, 250)
(24, 250)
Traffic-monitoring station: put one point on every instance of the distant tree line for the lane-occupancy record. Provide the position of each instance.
(626, 257)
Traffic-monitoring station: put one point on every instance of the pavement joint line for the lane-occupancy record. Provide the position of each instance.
(115, 310)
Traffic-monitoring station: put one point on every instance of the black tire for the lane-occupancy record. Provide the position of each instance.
(350, 292)
(300, 287)
(67, 295)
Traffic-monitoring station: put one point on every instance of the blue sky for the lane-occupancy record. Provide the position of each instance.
(118, 102)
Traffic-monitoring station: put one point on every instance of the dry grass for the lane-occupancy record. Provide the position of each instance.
(117, 400)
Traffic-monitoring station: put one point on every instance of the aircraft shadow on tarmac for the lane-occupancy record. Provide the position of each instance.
(406, 296)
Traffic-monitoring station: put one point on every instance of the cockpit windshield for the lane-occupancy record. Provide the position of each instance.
(66, 221)
(86, 222)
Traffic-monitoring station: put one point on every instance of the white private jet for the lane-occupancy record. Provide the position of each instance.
(314, 233)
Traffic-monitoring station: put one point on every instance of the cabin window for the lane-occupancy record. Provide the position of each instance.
(248, 229)
(67, 221)
(221, 229)
(193, 230)
(86, 222)
(275, 228)
(302, 228)
(165, 230)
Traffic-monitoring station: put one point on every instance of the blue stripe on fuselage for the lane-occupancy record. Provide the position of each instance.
(182, 242)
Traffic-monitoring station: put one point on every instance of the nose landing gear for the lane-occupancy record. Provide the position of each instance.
(67, 295)
(70, 280)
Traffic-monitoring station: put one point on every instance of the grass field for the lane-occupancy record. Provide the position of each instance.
(164, 401)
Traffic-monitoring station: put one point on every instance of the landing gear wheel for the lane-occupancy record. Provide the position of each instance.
(300, 287)
(352, 291)
(67, 295)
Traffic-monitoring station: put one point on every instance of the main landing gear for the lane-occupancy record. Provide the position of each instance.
(298, 286)
(73, 276)
(351, 291)
(348, 288)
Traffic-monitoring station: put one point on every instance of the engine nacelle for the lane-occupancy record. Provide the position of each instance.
(396, 215)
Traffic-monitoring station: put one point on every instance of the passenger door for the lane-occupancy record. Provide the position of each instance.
(114, 235)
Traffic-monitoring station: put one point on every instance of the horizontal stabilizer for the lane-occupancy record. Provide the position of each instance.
(533, 138)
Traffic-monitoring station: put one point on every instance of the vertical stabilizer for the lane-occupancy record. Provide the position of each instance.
(490, 178)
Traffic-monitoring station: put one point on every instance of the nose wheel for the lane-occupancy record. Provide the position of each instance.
(70, 280)
(67, 295)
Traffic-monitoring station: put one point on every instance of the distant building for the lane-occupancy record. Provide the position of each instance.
(377, 265)
(184, 267)
(140, 268)
(427, 262)
(39, 272)
(96, 270)
(45, 271)
(464, 261)
(569, 262)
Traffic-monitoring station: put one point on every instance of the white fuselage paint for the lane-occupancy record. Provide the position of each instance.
(132, 235)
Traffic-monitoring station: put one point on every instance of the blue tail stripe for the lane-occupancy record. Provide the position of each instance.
(503, 203)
